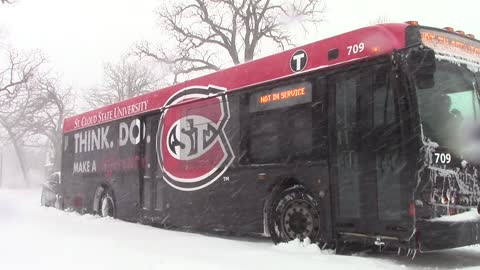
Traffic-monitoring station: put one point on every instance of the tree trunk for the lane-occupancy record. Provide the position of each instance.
(1, 167)
(21, 161)
(18, 151)
(57, 156)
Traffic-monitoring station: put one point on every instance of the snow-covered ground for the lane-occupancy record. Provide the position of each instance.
(34, 237)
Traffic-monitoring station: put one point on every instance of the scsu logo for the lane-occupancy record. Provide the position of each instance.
(193, 150)
(188, 138)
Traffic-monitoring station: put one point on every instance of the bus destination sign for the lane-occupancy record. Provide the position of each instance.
(284, 96)
(447, 43)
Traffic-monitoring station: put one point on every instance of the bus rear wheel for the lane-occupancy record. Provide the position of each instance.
(43, 200)
(294, 214)
(107, 205)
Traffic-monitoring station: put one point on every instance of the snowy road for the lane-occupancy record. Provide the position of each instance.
(34, 237)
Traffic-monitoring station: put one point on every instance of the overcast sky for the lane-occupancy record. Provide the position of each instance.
(79, 35)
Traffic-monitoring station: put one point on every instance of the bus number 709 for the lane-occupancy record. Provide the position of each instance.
(443, 158)
(356, 48)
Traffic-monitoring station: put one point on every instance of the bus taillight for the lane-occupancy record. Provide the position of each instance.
(411, 209)
(77, 202)
(417, 238)
(444, 199)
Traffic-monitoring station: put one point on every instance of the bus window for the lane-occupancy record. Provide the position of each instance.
(264, 137)
(280, 124)
(147, 189)
(301, 138)
(367, 145)
(386, 141)
(159, 205)
(462, 105)
(384, 112)
(347, 148)
(320, 121)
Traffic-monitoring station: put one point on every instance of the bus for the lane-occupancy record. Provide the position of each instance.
(365, 138)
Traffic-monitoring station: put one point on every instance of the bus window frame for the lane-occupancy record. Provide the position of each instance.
(246, 117)
(408, 146)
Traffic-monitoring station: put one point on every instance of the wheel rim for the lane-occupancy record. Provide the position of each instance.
(107, 206)
(43, 199)
(300, 220)
(57, 202)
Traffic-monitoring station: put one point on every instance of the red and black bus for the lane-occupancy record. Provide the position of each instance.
(366, 137)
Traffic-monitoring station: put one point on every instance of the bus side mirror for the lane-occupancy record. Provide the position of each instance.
(421, 63)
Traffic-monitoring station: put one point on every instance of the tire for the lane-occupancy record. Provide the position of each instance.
(43, 200)
(58, 202)
(107, 204)
(294, 214)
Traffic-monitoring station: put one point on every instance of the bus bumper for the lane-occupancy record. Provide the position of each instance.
(436, 235)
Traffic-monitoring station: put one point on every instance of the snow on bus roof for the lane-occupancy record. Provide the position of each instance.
(358, 44)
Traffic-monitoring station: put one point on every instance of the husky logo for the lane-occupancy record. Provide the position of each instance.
(193, 149)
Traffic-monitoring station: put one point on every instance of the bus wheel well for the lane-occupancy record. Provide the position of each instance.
(284, 184)
(276, 189)
(101, 190)
(294, 214)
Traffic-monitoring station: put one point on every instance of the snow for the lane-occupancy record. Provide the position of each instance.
(472, 66)
(471, 215)
(34, 237)
(306, 246)
(443, 172)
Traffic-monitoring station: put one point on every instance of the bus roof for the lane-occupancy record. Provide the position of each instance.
(358, 44)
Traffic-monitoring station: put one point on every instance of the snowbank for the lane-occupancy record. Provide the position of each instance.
(34, 237)
(471, 215)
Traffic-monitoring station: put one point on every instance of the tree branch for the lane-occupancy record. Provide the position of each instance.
(208, 32)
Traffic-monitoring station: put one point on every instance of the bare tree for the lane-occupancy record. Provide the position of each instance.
(16, 99)
(33, 116)
(122, 80)
(56, 103)
(19, 68)
(381, 19)
(15, 109)
(207, 32)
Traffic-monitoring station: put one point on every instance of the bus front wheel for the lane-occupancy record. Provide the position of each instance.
(294, 214)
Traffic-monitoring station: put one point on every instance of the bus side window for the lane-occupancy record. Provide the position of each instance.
(301, 136)
(383, 98)
(385, 142)
(264, 137)
(282, 134)
(149, 151)
(320, 120)
(150, 169)
(347, 88)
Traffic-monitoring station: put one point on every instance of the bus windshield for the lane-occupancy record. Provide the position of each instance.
(450, 107)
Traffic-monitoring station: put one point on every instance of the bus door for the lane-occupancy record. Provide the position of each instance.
(152, 186)
(366, 148)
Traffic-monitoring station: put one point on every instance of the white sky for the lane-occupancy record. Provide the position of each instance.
(79, 35)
